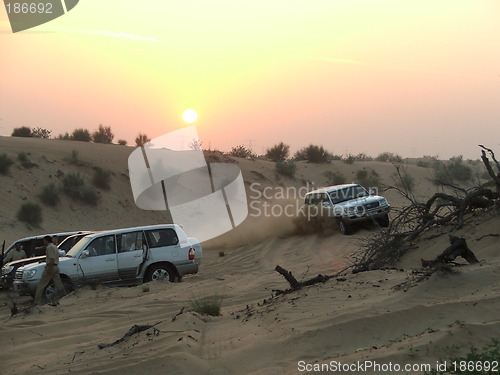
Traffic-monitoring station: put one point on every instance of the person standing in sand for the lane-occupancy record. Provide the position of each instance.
(51, 271)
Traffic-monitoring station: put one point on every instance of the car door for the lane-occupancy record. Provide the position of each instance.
(164, 244)
(132, 250)
(98, 261)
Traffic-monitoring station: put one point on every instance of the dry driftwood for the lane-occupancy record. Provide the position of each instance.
(132, 331)
(296, 285)
(458, 248)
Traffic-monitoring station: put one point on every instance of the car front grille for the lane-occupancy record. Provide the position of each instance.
(372, 205)
(19, 275)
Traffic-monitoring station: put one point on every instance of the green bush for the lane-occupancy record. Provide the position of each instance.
(82, 135)
(103, 135)
(122, 142)
(366, 179)
(73, 185)
(89, 196)
(287, 168)
(474, 362)
(313, 154)
(21, 132)
(50, 195)
(242, 152)
(389, 156)
(209, 305)
(5, 163)
(30, 213)
(101, 178)
(141, 139)
(278, 152)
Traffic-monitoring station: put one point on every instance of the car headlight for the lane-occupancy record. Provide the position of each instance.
(7, 269)
(383, 202)
(28, 274)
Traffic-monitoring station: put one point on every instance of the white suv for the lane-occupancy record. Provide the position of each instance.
(350, 203)
(122, 256)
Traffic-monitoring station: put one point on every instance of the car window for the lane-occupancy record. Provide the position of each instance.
(130, 241)
(102, 246)
(161, 237)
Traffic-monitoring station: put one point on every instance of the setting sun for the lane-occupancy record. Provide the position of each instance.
(189, 116)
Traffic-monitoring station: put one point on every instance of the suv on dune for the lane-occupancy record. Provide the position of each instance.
(9, 269)
(121, 256)
(349, 204)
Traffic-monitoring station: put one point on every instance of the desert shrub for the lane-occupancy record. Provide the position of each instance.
(30, 213)
(122, 142)
(405, 181)
(82, 135)
(335, 178)
(286, 168)
(5, 163)
(367, 179)
(423, 164)
(474, 362)
(389, 156)
(453, 171)
(23, 131)
(103, 135)
(50, 195)
(313, 154)
(141, 139)
(241, 152)
(64, 137)
(41, 133)
(336, 157)
(349, 159)
(25, 161)
(102, 178)
(363, 157)
(89, 196)
(209, 305)
(278, 152)
(73, 184)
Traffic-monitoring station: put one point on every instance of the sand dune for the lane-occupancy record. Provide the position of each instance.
(353, 318)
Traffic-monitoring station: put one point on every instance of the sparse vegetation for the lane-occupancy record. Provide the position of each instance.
(405, 181)
(82, 135)
(103, 135)
(389, 157)
(73, 185)
(74, 159)
(102, 178)
(278, 152)
(25, 161)
(5, 163)
(141, 139)
(89, 196)
(208, 305)
(23, 131)
(349, 159)
(367, 179)
(335, 178)
(30, 213)
(313, 154)
(50, 195)
(41, 133)
(474, 362)
(453, 171)
(241, 152)
(286, 168)
(122, 142)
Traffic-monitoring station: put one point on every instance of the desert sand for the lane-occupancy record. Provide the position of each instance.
(383, 316)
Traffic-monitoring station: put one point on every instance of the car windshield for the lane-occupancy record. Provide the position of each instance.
(75, 250)
(346, 194)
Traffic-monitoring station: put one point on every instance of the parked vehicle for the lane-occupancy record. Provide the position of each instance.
(9, 269)
(350, 203)
(121, 256)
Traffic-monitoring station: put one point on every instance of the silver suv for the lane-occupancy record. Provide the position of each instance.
(121, 256)
(349, 204)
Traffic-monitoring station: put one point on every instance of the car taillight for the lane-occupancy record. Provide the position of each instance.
(191, 254)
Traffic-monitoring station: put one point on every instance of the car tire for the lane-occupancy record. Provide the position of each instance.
(344, 228)
(160, 272)
(383, 221)
(49, 291)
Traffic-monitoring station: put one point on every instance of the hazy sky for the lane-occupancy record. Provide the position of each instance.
(412, 77)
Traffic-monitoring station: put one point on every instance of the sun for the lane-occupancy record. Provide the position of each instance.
(189, 116)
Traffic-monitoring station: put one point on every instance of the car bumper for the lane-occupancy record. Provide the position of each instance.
(369, 215)
(24, 287)
(187, 268)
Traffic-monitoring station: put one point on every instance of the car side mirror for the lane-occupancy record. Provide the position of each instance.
(371, 192)
(62, 253)
(85, 254)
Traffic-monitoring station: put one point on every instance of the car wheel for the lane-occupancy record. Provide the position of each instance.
(160, 272)
(344, 227)
(383, 221)
(51, 292)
